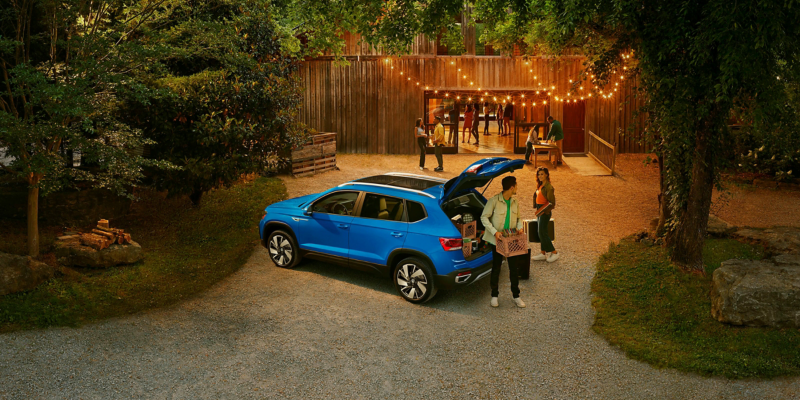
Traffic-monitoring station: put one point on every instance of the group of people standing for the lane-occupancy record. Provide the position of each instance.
(501, 212)
(555, 133)
(503, 115)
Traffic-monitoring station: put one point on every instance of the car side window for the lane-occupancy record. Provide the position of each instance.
(416, 211)
(382, 207)
(340, 203)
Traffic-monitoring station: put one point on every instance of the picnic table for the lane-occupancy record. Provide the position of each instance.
(551, 150)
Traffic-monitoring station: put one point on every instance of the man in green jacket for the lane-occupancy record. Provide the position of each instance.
(556, 134)
(502, 212)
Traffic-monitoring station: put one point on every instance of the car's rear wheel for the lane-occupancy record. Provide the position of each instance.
(414, 280)
(283, 249)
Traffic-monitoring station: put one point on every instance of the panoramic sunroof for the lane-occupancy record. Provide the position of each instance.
(400, 181)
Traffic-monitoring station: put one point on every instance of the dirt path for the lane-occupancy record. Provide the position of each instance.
(322, 331)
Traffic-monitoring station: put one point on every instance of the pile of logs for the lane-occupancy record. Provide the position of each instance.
(101, 237)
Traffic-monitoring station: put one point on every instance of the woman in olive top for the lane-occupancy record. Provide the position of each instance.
(545, 195)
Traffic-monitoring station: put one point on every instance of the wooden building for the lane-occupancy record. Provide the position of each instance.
(374, 100)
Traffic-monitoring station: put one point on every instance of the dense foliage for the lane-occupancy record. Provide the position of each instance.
(228, 101)
(208, 87)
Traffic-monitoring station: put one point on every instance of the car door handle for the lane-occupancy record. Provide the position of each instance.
(343, 226)
(397, 234)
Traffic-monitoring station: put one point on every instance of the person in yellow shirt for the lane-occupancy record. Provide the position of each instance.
(438, 142)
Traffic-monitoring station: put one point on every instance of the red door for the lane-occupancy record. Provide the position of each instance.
(573, 125)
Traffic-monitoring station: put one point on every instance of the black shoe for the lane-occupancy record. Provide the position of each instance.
(438, 169)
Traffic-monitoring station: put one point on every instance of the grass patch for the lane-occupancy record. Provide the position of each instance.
(660, 315)
(186, 249)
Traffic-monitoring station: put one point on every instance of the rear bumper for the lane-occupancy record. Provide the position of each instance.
(449, 281)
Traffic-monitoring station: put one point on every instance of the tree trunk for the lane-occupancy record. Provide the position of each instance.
(690, 233)
(196, 196)
(33, 221)
(664, 213)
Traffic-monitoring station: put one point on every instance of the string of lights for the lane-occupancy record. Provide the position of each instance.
(578, 90)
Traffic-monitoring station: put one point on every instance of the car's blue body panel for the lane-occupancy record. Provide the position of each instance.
(367, 244)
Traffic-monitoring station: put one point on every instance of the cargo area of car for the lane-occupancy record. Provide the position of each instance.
(462, 211)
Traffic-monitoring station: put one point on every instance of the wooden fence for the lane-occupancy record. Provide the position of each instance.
(603, 152)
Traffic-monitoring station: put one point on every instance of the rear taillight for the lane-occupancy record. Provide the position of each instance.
(451, 244)
(264, 216)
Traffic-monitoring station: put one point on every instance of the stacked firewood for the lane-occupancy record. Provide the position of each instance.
(102, 236)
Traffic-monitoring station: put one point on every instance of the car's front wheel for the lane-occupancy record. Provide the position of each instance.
(414, 280)
(283, 249)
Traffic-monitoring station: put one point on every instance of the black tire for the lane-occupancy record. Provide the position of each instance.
(283, 250)
(414, 280)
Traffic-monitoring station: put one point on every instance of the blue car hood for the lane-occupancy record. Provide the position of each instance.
(479, 174)
(295, 202)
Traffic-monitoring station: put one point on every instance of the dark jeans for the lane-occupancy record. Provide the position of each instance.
(422, 143)
(513, 271)
(475, 133)
(528, 150)
(438, 151)
(486, 126)
(542, 222)
(500, 125)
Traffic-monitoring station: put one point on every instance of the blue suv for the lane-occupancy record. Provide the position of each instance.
(395, 225)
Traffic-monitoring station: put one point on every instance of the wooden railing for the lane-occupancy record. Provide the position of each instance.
(603, 152)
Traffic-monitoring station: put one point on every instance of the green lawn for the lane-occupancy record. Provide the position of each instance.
(661, 315)
(186, 250)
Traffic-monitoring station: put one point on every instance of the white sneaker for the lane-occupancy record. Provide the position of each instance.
(494, 302)
(553, 257)
(520, 303)
(539, 257)
(421, 168)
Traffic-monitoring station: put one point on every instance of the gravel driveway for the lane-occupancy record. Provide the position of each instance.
(322, 331)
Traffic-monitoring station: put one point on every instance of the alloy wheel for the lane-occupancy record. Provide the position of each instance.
(412, 281)
(281, 251)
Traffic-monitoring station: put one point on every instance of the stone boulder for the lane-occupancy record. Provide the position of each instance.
(18, 274)
(781, 239)
(758, 293)
(718, 227)
(72, 253)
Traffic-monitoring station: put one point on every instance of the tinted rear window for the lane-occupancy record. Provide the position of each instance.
(416, 211)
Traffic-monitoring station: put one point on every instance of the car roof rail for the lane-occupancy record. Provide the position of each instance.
(389, 187)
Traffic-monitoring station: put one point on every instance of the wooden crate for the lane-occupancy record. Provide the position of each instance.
(515, 245)
(318, 155)
(468, 230)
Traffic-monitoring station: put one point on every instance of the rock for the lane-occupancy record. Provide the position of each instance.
(71, 252)
(758, 293)
(718, 227)
(782, 239)
(18, 274)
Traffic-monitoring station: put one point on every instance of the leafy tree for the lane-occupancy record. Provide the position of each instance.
(228, 99)
(699, 62)
(63, 65)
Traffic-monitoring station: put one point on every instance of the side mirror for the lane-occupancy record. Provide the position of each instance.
(307, 212)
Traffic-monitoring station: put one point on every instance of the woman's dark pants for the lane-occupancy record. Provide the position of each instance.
(421, 142)
(542, 222)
